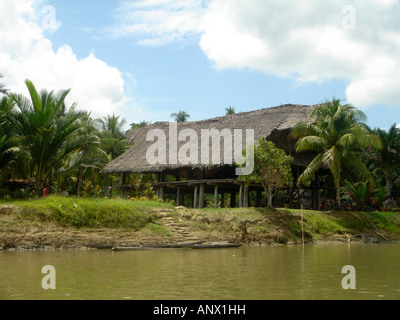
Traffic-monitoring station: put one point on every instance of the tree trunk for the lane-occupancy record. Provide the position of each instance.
(79, 182)
(268, 192)
(39, 181)
(388, 187)
(338, 196)
(337, 183)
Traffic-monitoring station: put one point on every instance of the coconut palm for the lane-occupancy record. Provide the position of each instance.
(112, 136)
(89, 157)
(44, 126)
(9, 143)
(357, 192)
(3, 89)
(140, 125)
(336, 135)
(387, 159)
(181, 116)
(230, 111)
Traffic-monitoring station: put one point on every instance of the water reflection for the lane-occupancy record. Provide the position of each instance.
(257, 273)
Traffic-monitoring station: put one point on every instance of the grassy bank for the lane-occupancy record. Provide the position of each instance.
(70, 222)
(290, 226)
(88, 212)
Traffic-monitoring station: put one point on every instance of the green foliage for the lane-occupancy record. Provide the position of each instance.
(181, 116)
(387, 159)
(44, 126)
(230, 111)
(113, 140)
(140, 125)
(9, 142)
(337, 135)
(357, 192)
(3, 89)
(272, 168)
(380, 195)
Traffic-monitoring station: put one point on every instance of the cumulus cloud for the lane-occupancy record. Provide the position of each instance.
(307, 41)
(311, 40)
(25, 53)
(158, 22)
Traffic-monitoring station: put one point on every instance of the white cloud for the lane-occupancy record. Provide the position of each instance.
(308, 40)
(25, 53)
(157, 22)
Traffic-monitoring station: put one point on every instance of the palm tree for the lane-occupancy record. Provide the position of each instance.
(44, 126)
(357, 192)
(336, 135)
(230, 111)
(387, 159)
(89, 157)
(3, 89)
(112, 137)
(181, 116)
(140, 125)
(9, 142)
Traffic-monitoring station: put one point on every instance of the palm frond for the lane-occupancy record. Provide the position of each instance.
(309, 173)
(310, 143)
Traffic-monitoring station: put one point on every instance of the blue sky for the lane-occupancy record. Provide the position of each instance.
(146, 59)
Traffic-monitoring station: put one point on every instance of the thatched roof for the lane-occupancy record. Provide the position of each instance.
(263, 122)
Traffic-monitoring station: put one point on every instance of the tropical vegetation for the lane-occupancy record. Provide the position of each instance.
(272, 168)
(44, 140)
(47, 143)
(338, 135)
(181, 116)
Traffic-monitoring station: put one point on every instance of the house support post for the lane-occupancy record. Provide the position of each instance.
(241, 196)
(195, 197)
(162, 193)
(178, 197)
(246, 196)
(216, 196)
(201, 196)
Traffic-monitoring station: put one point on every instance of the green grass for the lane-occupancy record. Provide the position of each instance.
(118, 213)
(90, 212)
(158, 230)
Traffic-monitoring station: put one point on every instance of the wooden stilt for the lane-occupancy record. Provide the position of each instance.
(162, 193)
(201, 196)
(241, 196)
(195, 197)
(246, 196)
(178, 197)
(216, 196)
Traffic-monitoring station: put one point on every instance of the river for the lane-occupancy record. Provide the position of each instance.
(247, 273)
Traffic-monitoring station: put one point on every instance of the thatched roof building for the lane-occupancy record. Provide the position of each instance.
(271, 123)
(274, 124)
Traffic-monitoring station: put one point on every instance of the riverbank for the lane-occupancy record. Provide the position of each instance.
(57, 222)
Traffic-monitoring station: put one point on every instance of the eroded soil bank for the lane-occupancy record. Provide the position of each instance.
(251, 226)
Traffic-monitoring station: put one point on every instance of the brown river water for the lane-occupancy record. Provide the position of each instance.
(246, 273)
